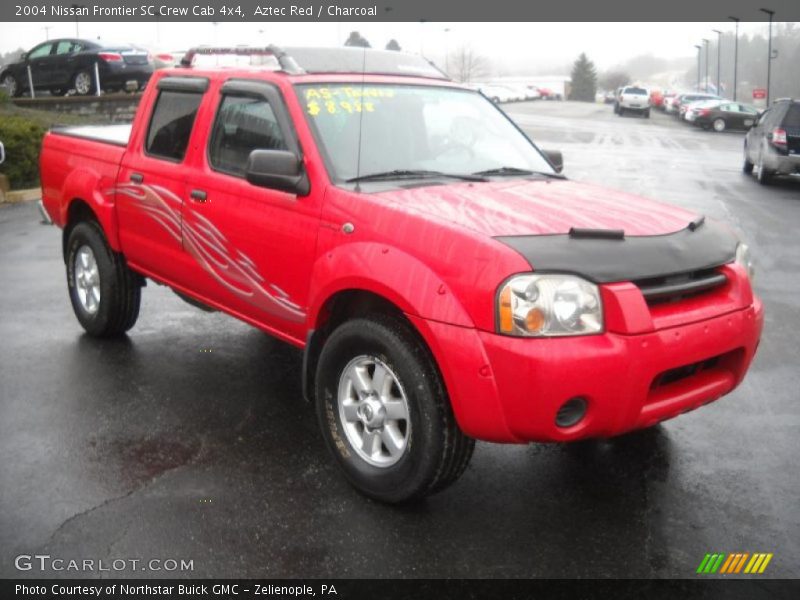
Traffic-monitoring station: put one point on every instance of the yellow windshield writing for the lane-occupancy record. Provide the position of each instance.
(325, 100)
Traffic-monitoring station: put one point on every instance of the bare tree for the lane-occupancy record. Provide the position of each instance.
(467, 65)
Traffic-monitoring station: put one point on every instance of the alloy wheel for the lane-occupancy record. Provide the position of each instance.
(87, 280)
(83, 83)
(373, 409)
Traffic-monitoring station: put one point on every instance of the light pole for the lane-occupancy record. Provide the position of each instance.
(699, 49)
(47, 32)
(446, 51)
(705, 81)
(719, 51)
(771, 13)
(77, 26)
(735, 55)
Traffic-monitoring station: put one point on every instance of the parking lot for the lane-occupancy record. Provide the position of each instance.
(189, 438)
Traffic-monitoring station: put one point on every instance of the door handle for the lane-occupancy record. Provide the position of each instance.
(199, 196)
(137, 177)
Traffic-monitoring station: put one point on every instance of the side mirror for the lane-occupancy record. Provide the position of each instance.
(556, 159)
(277, 169)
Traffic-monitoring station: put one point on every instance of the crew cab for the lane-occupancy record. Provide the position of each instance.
(633, 98)
(445, 281)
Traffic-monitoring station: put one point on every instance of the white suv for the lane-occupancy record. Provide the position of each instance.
(633, 98)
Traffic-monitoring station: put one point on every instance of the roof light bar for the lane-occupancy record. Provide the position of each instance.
(239, 56)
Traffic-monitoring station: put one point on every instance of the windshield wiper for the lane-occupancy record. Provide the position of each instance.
(412, 174)
(515, 171)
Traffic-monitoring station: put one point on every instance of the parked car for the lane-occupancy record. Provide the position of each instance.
(692, 108)
(685, 99)
(669, 103)
(617, 95)
(720, 115)
(634, 99)
(499, 93)
(772, 146)
(656, 98)
(609, 98)
(64, 64)
(534, 93)
(165, 59)
(581, 311)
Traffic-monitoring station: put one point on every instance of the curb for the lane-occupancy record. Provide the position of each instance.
(20, 195)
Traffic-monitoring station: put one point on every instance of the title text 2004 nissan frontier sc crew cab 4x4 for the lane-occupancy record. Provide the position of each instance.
(445, 281)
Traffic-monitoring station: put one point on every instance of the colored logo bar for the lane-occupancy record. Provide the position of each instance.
(734, 563)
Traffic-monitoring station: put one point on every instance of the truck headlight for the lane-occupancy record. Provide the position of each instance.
(549, 305)
(745, 258)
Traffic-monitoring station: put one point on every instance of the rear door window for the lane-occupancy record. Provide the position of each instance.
(171, 124)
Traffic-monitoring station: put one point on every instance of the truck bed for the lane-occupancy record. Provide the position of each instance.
(108, 134)
(77, 162)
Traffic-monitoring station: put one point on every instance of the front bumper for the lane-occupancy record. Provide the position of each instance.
(509, 389)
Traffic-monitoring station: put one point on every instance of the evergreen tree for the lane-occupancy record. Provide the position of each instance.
(393, 45)
(584, 80)
(357, 40)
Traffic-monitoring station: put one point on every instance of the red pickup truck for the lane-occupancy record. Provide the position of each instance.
(445, 281)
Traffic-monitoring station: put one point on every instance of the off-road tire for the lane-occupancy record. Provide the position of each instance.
(120, 288)
(437, 452)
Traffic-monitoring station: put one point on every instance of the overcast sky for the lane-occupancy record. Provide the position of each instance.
(607, 44)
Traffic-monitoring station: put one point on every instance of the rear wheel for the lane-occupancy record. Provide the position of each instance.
(384, 412)
(104, 292)
(764, 175)
(621, 111)
(719, 125)
(647, 114)
(83, 82)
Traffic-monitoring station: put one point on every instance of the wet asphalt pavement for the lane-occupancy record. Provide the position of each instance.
(189, 439)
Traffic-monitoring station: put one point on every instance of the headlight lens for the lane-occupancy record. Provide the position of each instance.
(549, 305)
(745, 258)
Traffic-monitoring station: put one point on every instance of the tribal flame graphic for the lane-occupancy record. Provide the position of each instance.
(210, 248)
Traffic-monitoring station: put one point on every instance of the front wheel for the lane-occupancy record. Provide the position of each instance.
(647, 114)
(104, 292)
(12, 85)
(747, 166)
(384, 412)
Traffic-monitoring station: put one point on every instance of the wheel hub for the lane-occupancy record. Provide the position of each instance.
(371, 412)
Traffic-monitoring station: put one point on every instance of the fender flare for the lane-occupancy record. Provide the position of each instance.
(386, 271)
(97, 192)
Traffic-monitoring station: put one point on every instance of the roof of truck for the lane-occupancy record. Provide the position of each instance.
(305, 60)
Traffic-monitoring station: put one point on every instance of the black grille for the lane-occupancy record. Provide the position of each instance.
(684, 372)
(673, 288)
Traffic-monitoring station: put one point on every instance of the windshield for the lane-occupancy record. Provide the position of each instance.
(408, 128)
(636, 91)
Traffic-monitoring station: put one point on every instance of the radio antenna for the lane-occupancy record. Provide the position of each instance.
(361, 116)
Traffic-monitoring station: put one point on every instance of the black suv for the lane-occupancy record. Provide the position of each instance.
(772, 145)
(69, 64)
